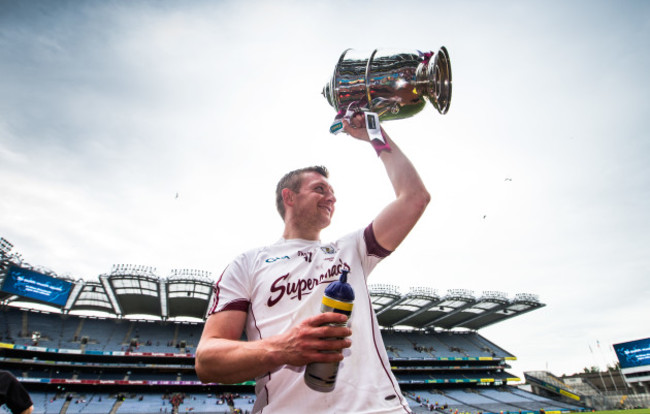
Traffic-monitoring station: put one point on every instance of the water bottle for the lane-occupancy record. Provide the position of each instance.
(338, 298)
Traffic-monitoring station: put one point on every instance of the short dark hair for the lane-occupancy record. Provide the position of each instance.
(293, 180)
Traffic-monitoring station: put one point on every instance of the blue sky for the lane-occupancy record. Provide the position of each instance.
(110, 109)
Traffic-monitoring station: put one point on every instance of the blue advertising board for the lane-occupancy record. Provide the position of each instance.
(633, 354)
(34, 285)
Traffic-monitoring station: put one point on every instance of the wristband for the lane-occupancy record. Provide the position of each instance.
(375, 134)
(380, 146)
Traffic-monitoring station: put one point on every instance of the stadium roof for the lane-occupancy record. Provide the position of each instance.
(424, 308)
(133, 291)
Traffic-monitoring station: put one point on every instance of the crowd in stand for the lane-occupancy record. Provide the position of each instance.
(432, 406)
(420, 348)
(178, 399)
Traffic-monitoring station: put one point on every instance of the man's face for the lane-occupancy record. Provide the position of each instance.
(314, 203)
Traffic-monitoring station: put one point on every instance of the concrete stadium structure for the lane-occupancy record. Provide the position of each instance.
(125, 342)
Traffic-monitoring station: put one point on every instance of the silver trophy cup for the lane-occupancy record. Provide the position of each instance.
(395, 85)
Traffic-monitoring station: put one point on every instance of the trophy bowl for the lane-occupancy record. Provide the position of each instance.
(394, 84)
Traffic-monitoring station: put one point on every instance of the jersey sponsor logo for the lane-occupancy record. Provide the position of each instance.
(275, 259)
(282, 288)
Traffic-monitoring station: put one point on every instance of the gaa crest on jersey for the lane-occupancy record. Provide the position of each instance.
(328, 249)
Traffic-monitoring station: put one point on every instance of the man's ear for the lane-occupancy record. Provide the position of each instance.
(288, 196)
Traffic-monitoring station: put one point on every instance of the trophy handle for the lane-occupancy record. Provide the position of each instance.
(435, 75)
(367, 79)
(329, 90)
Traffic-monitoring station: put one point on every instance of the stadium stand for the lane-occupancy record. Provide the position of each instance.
(426, 365)
(124, 344)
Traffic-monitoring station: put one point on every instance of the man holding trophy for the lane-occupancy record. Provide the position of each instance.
(274, 293)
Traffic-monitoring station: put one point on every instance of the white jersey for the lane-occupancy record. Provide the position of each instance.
(281, 285)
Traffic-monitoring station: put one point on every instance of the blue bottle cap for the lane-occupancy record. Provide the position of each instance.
(341, 289)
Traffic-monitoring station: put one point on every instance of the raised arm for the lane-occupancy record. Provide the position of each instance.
(397, 219)
(222, 357)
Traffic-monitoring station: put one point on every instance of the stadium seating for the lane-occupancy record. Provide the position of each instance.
(426, 345)
(84, 359)
(484, 400)
(47, 403)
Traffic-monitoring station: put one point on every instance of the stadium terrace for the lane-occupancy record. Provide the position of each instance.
(124, 343)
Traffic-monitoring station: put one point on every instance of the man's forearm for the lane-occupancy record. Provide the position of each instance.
(228, 361)
(411, 199)
(403, 176)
